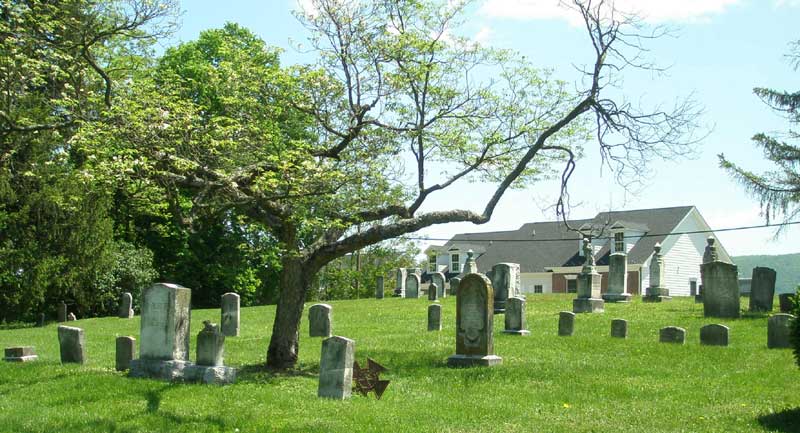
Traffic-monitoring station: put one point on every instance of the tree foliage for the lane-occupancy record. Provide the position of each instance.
(59, 61)
(779, 188)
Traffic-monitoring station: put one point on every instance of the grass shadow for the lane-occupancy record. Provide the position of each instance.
(260, 373)
(786, 421)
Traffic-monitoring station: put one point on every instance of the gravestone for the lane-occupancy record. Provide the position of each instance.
(62, 312)
(229, 320)
(438, 279)
(126, 350)
(474, 321)
(672, 334)
(320, 320)
(762, 289)
(164, 332)
(433, 292)
(126, 306)
(20, 354)
(785, 302)
(619, 328)
(471, 266)
(714, 335)
(42, 320)
(744, 286)
(434, 317)
(454, 282)
(657, 291)
(779, 331)
(412, 286)
(566, 323)
(710, 253)
(210, 345)
(588, 300)
(379, 287)
(71, 317)
(400, 283)
(693, 288)
(72, 344)
(515, 316)
(505, 283)
(720, 289)
(698, 298)
(336, 368)
(617, 279)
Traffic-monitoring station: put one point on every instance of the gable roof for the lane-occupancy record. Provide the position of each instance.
(539, 245)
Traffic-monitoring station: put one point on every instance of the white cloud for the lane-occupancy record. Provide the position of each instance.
(649, 10)
(483, 35)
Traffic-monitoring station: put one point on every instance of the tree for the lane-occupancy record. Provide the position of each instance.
(60, 61)
(395, 88)
(777, 189)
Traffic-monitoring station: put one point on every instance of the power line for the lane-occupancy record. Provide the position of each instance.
(646, 235)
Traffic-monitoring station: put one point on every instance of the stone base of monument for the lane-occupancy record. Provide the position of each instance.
(656, 298)
(617, 297)
(20, 354)
(182, 371)
(587, 305)
(517, 332)
(473, 360)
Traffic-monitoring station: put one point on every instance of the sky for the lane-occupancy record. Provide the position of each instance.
(717, 52)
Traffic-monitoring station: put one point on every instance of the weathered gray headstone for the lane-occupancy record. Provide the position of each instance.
(400, 283)
(210, 345)
(336, 368)
(126, 350)
(566, 323)
(438, 279)
(72, 344)
(42, 320)
(474, 321)
(617, 279)
(672, 334)
(412, 286)
(657, 291)
(20, 354)
(434, 317)
(762, 289)
(714, 335)
(505, 283)
(515, 316)
(693, 288)
(619, 328)
(433, 292)
(454, 282)
(71, 317)
(698, 298)
(588, 300)
(126, 306)
(779, 331)
(744, 286)
(229, 320)
(785, 302)
(166, 316)
(62, 312)
(379, 287)
(720, 289)
(471, 266)
(710, 253)
(320, 320)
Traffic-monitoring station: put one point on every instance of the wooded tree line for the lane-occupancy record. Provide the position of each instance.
(216, 167)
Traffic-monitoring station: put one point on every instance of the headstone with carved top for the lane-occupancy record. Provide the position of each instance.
(588, 300)
(474, 321)
(657, 290)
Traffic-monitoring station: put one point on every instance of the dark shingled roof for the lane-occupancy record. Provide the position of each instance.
(555, 245)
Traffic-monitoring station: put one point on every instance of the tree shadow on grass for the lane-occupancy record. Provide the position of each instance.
(260, 373)
(786, 421)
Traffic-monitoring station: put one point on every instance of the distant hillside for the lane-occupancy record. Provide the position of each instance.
(787, 268)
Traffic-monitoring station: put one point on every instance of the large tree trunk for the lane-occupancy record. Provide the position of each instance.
(294, 284)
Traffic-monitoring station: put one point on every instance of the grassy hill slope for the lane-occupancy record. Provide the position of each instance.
(787, 269)
(585, 383)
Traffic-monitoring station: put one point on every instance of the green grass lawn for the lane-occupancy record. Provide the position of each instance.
(587, 382)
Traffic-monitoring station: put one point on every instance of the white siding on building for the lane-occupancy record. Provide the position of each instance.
(529, 280)
(683, 255)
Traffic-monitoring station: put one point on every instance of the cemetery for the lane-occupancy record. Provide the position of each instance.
(559, 378)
